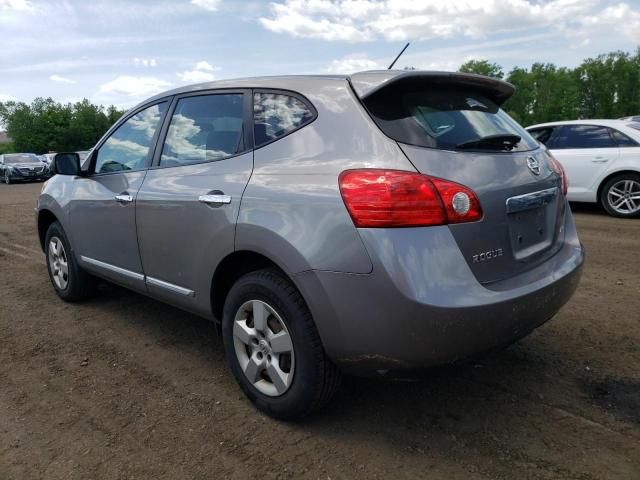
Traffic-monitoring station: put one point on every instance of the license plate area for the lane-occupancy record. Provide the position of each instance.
(532, 222)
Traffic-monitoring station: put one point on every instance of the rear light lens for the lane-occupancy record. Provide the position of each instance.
(395, 198)
(557, 167)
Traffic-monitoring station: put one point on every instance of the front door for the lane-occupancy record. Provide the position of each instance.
(188, 204)
(103, 210)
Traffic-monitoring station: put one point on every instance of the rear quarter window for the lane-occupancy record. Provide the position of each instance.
(278, 114)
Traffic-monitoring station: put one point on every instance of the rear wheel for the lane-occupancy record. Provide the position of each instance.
(273, 349)
(620, 196)
(69, 280)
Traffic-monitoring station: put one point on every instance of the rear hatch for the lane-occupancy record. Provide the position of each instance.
(451, 126)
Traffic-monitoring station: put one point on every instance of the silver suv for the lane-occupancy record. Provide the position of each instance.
(373, 223)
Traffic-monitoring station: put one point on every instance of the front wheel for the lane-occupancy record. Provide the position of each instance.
(7, 178)
(620, 196)
(273, 349)
(69, 280)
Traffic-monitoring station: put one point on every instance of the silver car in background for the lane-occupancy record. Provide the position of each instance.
(368, 224)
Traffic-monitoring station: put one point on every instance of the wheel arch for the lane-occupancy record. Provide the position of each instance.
(612, 175)
(45, 219)
(231, 268)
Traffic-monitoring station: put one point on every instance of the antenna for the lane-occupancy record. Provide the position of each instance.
(401, 52)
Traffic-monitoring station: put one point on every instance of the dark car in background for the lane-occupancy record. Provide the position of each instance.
(21, 167)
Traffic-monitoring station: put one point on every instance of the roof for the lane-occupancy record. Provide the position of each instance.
(364, 83)
(274, 81)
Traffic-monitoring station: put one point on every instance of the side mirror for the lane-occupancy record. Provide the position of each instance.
(66, 164)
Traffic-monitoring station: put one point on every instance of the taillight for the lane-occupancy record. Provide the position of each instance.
(395, 198)
(557, 167)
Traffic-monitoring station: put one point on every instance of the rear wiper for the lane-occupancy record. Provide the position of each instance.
(502, 141)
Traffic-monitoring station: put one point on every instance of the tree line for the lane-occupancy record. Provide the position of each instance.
(607, 86)
(46, 125)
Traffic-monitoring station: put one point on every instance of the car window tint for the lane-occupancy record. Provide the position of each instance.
(542, 134)
(128, 147)
(583, 136)
(204, 128)
(622, 140)
(276, 115)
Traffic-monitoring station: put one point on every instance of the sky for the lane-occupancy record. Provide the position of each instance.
(122, 51)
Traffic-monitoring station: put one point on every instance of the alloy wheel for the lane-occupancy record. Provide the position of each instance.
(264, 348)
(624, 196)
(58, 263)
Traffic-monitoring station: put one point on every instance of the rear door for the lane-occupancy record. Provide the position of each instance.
(585, 152)
(188, 205)
(456, 131)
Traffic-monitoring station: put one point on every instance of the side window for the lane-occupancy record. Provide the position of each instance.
(276, 114)
(622, 140)
(203, 129)
(542, 134)
(128, 147)
(583, 136)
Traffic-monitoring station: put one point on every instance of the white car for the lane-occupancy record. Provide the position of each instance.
(601, 158)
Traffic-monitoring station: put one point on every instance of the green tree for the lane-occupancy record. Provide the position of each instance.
(46, 125)
(482, 67)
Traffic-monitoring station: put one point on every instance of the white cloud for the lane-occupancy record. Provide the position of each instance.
(620, 16)
(145, 62)
(202, 72)
(58, 78)
(134, 86)
(211, 5)
(399, 20)
(205, 66)
(353, 63)
(17, 5)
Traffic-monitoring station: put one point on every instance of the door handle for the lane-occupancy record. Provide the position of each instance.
(600, 160)
(124, 197)
(215, 199)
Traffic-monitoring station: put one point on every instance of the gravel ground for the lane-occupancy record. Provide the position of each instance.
(125, 387)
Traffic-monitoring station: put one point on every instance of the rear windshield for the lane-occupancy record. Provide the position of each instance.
(21, 158)
(447, 118)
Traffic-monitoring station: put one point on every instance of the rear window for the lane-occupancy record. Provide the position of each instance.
(446, 118)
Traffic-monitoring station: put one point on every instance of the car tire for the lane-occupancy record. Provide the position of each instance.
(613, 193)
(69, 280)
(7, 178)
(294, 384)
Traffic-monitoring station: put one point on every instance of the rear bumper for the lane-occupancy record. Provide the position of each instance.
(422, 306)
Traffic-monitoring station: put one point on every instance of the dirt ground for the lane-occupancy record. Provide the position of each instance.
(125, 387)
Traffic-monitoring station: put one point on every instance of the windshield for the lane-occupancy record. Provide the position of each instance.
(446, 118)
(21, 158)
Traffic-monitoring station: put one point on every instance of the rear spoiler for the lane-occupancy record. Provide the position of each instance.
(366, 84)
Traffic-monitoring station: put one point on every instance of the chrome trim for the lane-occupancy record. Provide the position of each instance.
(531, 200)
(124, 198)
(170, 286)
(215, 199)
(113, 268)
